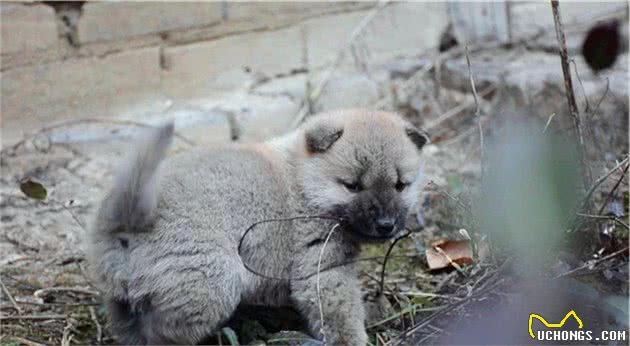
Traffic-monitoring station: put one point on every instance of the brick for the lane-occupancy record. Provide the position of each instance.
(102, 21)
(76, 88)
(255, 16)
(230, 62)
(27, 28)
(263, 11)
(395, 32)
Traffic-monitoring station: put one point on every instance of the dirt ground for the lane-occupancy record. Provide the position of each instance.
(48, 297)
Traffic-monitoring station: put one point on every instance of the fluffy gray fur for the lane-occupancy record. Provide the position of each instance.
(164, 251)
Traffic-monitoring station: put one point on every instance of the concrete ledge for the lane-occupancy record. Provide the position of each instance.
(32, 96)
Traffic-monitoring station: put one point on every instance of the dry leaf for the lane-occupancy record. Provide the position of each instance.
(441, 254)
(33, 189)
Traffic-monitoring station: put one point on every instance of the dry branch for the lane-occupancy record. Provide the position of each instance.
(568, 85)
(605, 217)
(601, 179)
(11, 299)
(33, 317)
(590, 264)
(612, 191)
(47, 291)
(319, 291)
(477, 107)
(99, 328)
(456, 110)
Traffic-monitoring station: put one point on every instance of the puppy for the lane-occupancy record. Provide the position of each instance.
(165, 250)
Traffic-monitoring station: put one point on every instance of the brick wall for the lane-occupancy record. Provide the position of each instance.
(138, 60)
(62, 61)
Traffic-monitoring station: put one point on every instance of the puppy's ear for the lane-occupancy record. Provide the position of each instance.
(322, 137)
(418, 137)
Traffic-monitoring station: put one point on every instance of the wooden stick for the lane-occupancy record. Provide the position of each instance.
(603, 178)
(46, 291)
(612, 191)
(13, 302)
(99, 328)
(607, 257)
(33, 317)
(568, 86)
(477, 109)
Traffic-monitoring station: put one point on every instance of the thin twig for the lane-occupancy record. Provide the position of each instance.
(76, 219)
(548, 122)
(596, 109)
(605, 217)
(99, 328)
(380, 338)
(308, 86)
(429, 295)
(591, 264)
(25, 302)
(241, 242)
(319, 292)
(587, 107)
(389, 251)
(33, 317)
(66, 336)
(601, 179)
(612, 191)
(457, 109)
(11, 299)
(307, 276)
(477, 107)
(450, 260)
(356, 33)
(435, 65)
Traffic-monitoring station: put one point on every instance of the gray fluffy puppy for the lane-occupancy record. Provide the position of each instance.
(164, 245)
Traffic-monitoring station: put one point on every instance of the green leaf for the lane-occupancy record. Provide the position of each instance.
(33, 189)
(230, 335)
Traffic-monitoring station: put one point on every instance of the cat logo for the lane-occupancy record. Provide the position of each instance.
(552, 325)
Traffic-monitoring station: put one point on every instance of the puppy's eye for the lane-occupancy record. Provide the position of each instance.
(400, 186)
(352, 187)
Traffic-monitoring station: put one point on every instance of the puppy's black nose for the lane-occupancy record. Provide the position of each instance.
(385, 225)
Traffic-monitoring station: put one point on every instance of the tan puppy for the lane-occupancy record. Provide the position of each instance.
(165, 251)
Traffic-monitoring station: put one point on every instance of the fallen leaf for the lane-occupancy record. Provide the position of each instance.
(33, 189)
(443, 253)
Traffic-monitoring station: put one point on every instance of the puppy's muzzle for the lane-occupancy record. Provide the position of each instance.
(385, 226)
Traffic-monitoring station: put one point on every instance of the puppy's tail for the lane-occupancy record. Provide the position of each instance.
(131, 203)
